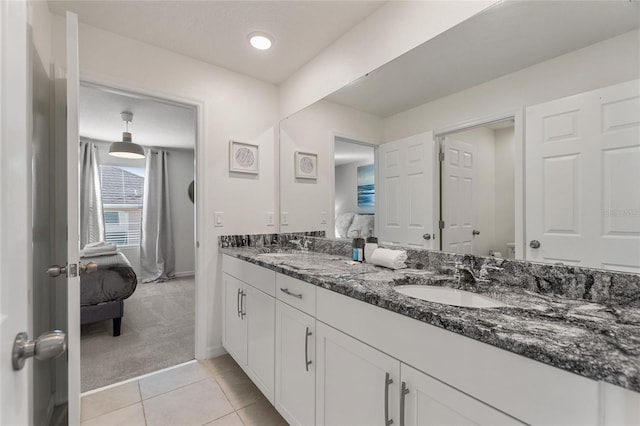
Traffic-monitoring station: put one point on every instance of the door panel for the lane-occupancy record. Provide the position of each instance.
(15, 210)
(406, 202)
(234, 333)
(458, 207)
(260, 318)
(583, 169)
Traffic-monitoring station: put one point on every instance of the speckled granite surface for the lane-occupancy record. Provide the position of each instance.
(550, 315)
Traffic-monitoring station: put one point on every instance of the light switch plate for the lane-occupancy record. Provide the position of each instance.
(284, 219)
(218, 221)
(323, 218)
(270, 219)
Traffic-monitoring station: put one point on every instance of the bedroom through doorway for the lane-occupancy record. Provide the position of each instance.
(137, 220)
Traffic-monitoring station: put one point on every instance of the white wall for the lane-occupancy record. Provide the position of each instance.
(346, 188)
(314, 130)
(232, 106)
(602, 64)
(390, 31)
(505, 190)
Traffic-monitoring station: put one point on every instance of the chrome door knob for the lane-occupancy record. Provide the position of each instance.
(534, 244)
(475, 232)
(88, 268)
(56, 270)
(426, 236)
(48, 345)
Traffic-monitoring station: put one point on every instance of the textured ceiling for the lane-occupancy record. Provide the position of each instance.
(155, 123)
(216, 31)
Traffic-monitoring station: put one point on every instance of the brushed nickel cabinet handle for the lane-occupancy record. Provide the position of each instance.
(387, 382)
(238, 303)
(403, 397)
(243, 308)
(307, 361)
(287, 292)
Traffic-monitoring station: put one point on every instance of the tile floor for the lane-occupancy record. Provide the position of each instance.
(214, 392)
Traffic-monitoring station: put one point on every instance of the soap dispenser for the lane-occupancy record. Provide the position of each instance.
(358, 247)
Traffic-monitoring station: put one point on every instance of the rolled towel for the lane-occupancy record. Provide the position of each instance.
(392, 259)
(100, 248)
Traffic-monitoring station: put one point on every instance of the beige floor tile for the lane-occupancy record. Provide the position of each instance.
(221, 365)
(194, 404)
(239, 388)
(132, 415)
(108, 400)
(228, 420)
(261, 413)
(171, 379)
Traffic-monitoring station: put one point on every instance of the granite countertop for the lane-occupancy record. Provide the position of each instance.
(601, 342)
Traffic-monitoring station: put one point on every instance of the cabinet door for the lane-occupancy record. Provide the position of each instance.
(430, 402)
(259, 309)
(234, 329)
(355, 384)
(295, 365)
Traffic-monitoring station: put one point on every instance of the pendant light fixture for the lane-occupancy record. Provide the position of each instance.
(126, 148)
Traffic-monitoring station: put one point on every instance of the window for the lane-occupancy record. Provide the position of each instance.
(122, 195)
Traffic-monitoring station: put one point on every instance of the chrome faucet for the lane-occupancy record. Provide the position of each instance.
(302, 245)
(485, 270)
(464, 274)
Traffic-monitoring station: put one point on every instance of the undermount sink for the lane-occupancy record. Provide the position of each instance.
(448, 296)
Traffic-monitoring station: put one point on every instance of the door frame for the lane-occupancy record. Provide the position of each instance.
(519, 162)
(332, 187)
(201, 307)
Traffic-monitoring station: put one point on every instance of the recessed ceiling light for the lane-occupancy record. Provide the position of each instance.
(260, 41)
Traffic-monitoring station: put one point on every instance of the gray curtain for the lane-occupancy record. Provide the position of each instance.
(91, 211)
(157, 256)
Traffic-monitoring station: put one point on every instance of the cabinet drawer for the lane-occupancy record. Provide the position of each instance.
(261, 278)
(299, 294)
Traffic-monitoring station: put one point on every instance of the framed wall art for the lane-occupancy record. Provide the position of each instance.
(306, 165)
(243, 157)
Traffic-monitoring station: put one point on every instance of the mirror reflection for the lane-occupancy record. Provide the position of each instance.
(514, 134)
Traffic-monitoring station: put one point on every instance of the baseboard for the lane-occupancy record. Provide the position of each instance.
(185, 274)
(214, 351)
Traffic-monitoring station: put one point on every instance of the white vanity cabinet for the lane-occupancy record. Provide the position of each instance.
(355, 383)
(295, 350)
(249, 320)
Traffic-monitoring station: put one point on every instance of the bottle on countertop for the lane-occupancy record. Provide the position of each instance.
(358, 248)
(369, 247)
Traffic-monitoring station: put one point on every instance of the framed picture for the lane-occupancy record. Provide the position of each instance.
(366, 186)
(243, 157)
(306, 165)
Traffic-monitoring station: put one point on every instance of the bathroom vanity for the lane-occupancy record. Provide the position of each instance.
(333, 343)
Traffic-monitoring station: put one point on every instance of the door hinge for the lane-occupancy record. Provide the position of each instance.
(441, 224)
(441, 156)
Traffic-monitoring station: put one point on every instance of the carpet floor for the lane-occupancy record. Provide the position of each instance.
(157, 332)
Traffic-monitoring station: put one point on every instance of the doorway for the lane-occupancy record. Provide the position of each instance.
(354, 189)
(477, 189)
(157, 325)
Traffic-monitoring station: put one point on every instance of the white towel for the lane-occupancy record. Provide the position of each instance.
(392, 259)
(100, 248)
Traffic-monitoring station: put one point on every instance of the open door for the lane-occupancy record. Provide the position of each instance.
(406, 203)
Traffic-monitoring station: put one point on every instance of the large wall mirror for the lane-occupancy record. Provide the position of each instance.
(514, 134)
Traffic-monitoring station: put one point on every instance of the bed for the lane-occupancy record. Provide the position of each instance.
(102, 293)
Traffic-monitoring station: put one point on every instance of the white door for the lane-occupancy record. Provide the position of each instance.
(355, 383)
(15, 210)
(429, 402)
(406, 200)
(295, 365)
(16, 231)
(458, 208)
(582, 179)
